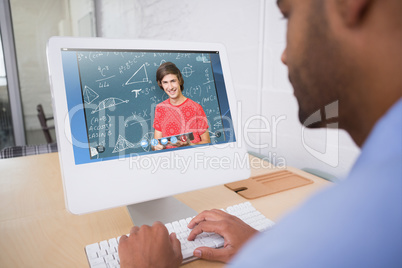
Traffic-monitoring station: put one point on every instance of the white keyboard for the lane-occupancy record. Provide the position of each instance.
(104, 254)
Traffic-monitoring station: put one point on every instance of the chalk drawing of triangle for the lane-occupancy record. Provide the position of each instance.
(109, 103)
(122, 144)
(139, 76)
(89, 95)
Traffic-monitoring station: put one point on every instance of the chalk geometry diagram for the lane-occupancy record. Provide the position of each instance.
(139, 76)
(108, 103)
(89, 95)
(187, 71)
(136, 120)
(122, 144)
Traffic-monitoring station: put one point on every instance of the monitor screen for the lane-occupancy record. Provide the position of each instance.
(141, 120)
(120, 104)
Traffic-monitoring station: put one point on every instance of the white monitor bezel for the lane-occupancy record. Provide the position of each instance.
(105, 184)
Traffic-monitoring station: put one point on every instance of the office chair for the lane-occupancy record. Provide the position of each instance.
(43, 122)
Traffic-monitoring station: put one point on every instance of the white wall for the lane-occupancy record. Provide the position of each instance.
(79, 11)
(254, 35)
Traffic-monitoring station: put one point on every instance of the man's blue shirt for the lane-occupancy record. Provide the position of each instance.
(356, 223)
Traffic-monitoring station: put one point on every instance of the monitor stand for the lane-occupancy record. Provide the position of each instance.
(165, 210)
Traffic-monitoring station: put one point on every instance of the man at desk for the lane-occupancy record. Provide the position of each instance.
(347, 51)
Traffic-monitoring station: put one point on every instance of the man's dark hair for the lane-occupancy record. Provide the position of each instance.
(168, 68)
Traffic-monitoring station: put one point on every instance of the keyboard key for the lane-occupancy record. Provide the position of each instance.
(219, 242)
(182, 236)
(183, 223)
(176, 227)
(169, 226)
(197, 243)
(210, 244)
(102, 252)
(114, 263)
(112, 250)
(104, 244)
(113, 242)
(96, 261)
(109, 258)
(92, 248)
(100, 265)
(116, 257)
(187, 253)
(92, 255)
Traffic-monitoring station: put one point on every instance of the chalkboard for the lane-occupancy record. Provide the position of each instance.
(120, 93)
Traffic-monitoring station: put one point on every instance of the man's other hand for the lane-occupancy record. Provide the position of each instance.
(234, 231)
(150, 247)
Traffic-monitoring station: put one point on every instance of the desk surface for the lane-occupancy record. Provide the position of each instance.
(37, 231)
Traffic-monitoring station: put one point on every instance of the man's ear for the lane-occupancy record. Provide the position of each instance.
(353, 11)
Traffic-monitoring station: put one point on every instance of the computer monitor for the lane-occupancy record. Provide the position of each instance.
(107, 109)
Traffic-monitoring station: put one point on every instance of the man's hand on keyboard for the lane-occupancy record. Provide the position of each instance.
(150, 247)
(234, 231)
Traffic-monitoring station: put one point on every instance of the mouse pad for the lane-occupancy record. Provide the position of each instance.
(266, 184)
